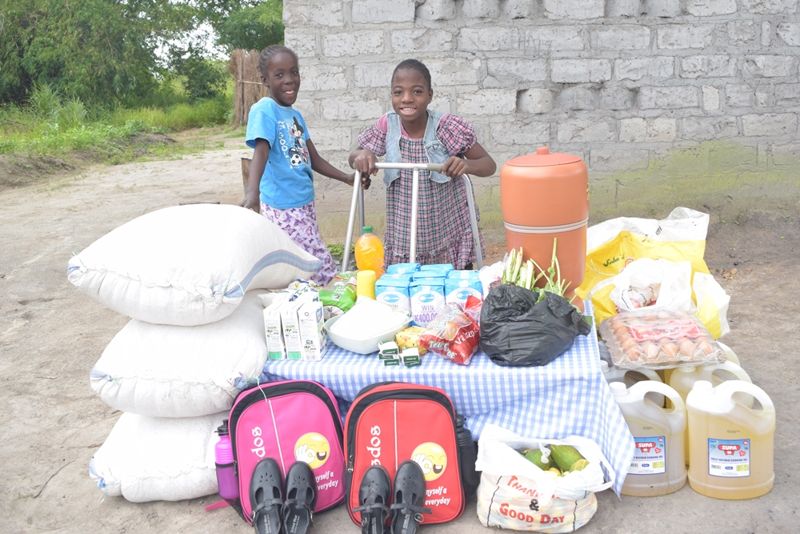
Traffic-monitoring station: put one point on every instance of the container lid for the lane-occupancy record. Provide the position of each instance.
(366, 229)
(543, 158)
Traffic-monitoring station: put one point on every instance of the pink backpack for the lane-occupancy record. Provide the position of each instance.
(293, 420)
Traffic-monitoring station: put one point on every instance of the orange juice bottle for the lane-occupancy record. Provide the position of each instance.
(731, 442)
(657, 467)
(369, 252)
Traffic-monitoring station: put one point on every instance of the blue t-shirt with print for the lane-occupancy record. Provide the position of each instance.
(287, 179)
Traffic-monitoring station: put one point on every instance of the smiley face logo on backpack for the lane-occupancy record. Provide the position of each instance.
(312, 448)
(431, 458)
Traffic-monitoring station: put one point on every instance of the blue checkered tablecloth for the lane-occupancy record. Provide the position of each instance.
(569, 396)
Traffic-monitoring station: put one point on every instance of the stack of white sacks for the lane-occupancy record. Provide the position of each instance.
(188, 276)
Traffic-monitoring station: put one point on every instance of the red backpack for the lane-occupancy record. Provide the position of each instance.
(391, 422)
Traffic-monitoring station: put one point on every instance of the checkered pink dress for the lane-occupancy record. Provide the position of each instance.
(443, 226)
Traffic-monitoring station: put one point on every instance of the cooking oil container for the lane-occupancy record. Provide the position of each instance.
(683, 378)
(545, 197)
(658, 467)
(731, 442)
(630, 376)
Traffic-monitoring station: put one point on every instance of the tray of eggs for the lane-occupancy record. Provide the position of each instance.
(658, 340)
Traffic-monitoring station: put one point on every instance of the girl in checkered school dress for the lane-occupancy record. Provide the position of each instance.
(412, 133)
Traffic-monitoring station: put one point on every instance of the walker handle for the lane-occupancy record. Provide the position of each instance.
(435, 167)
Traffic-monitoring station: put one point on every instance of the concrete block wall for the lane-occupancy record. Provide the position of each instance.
(618, 82)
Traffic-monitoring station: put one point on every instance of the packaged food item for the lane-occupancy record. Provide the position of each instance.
(658, 339)
(427, 296)
(310, 329)
(402, 268)
(339, 296)
(452, 334)
(408, 338)
(392, 289)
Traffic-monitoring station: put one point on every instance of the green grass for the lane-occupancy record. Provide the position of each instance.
(51, 127)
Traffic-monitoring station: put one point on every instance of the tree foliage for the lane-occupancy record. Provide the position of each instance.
(254, 27)
(107, 51)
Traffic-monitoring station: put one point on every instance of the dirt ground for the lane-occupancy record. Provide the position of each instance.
(51, 335)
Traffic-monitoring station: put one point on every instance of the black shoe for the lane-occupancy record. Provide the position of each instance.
(301, 496)
(266, 497)
(409, 497)
(373, 497)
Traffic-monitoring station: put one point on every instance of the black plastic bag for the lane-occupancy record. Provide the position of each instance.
(518, 331)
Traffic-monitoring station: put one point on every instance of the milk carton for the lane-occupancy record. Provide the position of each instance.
(458, 273)
(427, 297)
(291, 329)
(457, 289)
(393, 290)
(402, 268)
(274, 331)
(443, 269)
(312, 336)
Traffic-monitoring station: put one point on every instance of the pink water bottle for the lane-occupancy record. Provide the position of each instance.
(226, 470)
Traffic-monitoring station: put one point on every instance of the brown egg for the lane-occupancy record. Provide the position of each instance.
(669, 347)
(705, 347)
(686, 347)
(651, 350)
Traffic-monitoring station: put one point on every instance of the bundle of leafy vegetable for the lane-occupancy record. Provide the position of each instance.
(527, 273)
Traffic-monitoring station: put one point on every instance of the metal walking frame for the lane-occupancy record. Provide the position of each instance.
(358, 200)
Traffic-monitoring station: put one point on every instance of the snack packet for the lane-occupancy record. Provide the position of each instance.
(339, 295)
(452, 334)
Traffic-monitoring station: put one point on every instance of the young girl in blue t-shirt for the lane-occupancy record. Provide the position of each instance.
(280, 184)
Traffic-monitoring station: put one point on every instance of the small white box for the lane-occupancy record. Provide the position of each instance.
(312, 335)
(291, 330)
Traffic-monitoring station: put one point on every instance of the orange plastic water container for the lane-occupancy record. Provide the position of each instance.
(544, 197)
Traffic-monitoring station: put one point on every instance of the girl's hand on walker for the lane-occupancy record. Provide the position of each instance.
(365, 180)
(454, 167)
(365, 162)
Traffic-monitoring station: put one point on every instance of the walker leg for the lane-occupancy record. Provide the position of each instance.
(412, 254)
(473, 220)
(351, 219)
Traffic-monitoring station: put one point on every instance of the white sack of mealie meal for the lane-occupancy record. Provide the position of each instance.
(154, 459)
(182, 371)
(188, 265)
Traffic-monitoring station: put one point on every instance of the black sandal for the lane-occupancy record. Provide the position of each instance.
(266, 497)
(301, 496)
(409, 497)
(373, 496)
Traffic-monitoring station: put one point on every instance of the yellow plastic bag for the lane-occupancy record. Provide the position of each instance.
(681, 236)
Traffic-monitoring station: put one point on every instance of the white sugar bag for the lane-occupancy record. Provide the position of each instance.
(188, 265)
(150, 459)
(182, 371)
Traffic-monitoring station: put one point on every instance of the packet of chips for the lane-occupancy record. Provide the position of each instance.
(452, 334)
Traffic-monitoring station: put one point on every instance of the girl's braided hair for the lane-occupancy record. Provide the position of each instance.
(268, 53)
(416, 65)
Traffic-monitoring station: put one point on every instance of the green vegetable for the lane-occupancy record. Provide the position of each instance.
(567, 458)
(535, 456)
